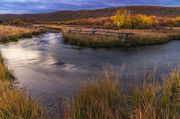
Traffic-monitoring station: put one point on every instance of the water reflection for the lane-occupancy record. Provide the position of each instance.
(19, 57)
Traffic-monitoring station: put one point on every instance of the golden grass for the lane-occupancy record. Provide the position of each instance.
(56, 27)
(14, 103)
(12, 33)
(95, 41)
(100, 99)
(104, 99)
(103, 41)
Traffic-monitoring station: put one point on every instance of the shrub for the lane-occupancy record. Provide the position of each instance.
(123, 19)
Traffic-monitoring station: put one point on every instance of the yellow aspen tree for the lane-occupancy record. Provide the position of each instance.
(120, 18)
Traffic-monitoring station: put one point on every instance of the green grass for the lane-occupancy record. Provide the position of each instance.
(104, 99)
(14, 103)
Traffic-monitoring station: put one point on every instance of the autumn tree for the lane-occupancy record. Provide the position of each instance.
(120, 18)
(123, 19)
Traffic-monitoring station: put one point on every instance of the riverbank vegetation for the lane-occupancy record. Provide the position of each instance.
(103, 40)
(103, 98)
(140, 37)
(14, 103)
(13, 33)
(95, 41)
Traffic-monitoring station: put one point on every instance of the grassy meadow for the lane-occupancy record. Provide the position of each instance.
(13, 33)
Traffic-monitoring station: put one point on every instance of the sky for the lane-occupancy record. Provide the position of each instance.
(44, 6)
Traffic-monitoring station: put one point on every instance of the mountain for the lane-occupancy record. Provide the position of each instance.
(71, 15)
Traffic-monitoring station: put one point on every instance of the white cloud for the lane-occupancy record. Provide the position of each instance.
(5, 11)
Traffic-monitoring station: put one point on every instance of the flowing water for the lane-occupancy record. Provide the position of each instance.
(49, 69)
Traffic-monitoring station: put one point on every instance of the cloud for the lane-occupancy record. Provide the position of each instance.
(5, 11)
(39, 6)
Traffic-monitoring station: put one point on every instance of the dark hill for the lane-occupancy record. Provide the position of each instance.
(71, 15)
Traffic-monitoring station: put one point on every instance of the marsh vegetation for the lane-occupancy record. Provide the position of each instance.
(140, 37)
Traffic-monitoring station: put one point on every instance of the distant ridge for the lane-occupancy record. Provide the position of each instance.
(71, 15)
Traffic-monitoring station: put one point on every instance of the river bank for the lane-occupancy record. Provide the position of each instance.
(14, 103)
(103, 40)
(12, 33)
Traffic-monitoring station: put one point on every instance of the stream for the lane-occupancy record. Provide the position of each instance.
(48, 69)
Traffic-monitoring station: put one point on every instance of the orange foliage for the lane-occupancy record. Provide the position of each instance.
(102, 21)
(123, 19)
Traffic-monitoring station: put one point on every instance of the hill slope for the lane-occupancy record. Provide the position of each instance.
(71, 15)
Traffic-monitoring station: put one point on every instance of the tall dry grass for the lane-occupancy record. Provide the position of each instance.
(104, 99)
(13, 33)
(141, 37)
(95, 41)
(152, 100)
